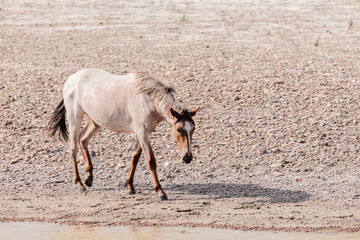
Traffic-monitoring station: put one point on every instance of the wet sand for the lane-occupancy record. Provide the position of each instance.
(44, 231)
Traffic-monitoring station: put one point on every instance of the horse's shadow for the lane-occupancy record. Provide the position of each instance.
(227, 190)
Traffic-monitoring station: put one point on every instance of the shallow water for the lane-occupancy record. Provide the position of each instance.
(47, 231)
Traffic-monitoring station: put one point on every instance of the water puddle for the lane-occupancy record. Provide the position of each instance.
(49, 231)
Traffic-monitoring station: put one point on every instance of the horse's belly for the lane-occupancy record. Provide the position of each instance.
(109, 114)
(118, 122)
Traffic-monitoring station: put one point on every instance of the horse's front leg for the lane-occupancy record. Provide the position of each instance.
(144, 139)
(134, 161)
(152, 165)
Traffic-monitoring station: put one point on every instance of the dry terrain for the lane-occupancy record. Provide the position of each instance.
(277, 138)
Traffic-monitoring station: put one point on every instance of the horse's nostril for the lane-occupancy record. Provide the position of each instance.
(187, 159)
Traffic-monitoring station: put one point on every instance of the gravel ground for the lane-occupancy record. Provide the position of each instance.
(276, 140)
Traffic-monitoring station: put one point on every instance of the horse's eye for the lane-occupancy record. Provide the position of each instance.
(178, 129)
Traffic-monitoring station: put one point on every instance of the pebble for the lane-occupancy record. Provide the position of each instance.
(14, 161)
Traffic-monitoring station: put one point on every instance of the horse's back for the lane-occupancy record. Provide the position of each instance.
(104, 97)
(93, 81)
(96, 77)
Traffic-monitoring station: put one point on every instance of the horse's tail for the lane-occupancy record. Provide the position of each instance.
(57, 122)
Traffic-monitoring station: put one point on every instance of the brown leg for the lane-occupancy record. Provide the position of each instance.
(87, 133)
(74, 129)
(134, 162)
(76, 178)
(144, 140)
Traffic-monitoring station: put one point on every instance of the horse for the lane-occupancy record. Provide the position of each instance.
(132, 103)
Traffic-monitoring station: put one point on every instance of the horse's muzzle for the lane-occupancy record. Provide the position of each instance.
(187, 158)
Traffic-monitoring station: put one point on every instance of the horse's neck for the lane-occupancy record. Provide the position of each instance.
(165, 111)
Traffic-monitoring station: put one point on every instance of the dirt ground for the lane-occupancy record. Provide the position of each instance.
(276, 143)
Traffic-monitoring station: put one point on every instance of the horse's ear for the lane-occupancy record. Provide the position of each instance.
(175, 113)
(193, 112)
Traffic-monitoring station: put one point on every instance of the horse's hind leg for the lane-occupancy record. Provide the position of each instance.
(86, 134)
(134, 161)
(75, 115)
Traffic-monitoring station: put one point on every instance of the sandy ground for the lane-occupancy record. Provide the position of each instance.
(277, 138)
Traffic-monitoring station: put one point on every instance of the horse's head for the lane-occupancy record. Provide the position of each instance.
(182, 131)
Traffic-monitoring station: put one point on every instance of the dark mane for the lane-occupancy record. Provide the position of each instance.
(153, 87)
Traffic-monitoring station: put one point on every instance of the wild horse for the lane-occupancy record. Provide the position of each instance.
(135, 102)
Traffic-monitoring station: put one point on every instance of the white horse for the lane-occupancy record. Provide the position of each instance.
(135, 102)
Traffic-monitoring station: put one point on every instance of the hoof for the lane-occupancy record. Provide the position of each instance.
(132, 192)
(82, 189)
(89, 181)
(163, 198)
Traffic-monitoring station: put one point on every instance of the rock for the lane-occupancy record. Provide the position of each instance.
(279, 82)
(276, 165)
(263, 151)
(279, 164)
